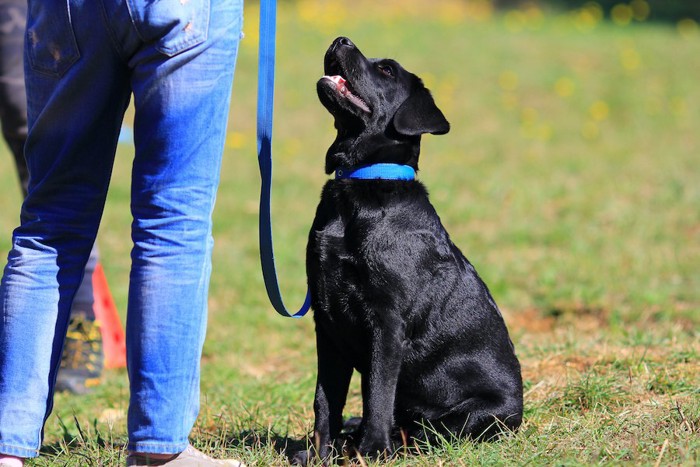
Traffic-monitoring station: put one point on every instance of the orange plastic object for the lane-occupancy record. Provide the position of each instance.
(113, 338)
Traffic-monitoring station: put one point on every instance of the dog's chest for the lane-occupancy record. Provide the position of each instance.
(338, 274)
(367, 256)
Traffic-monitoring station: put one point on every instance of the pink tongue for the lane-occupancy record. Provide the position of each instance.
(338, 80)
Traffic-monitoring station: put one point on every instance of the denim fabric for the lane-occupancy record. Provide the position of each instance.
(84, 59)
(13, 116)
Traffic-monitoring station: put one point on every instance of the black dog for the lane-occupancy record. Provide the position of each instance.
(393, 297)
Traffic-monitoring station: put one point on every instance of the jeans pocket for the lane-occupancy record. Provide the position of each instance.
(50, 41)
(172, 25)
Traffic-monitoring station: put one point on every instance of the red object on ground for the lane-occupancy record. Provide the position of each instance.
(113, 338)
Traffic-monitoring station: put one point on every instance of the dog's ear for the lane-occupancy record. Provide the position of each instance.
(419, 114)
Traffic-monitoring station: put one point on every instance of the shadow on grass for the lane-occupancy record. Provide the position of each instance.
(90, 448)
(86, 444)
(283, 445)
(86, 448)
(302, 449)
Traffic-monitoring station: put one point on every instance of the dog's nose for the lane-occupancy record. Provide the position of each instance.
(343, 42)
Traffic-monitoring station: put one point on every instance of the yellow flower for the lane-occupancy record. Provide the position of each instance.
(235, 140)
(622, 14)
(688, 28)
(534, 17)
(326, 15)
(508, 80)
(588, 17)
(479, 10)
(630, 59)
(640, 9)
(599, 110)
(564, 87)
(452, 12)
(515, 20)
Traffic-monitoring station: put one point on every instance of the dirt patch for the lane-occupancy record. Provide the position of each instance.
(539, 320)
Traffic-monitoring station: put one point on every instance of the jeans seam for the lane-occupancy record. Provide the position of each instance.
(115, 43)
(138, 446)
(133, 23)
(26, 452)
(183, 46)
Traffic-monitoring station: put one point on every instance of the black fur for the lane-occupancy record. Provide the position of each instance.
(393, 297)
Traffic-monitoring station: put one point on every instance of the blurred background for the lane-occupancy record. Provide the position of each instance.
(639, 10)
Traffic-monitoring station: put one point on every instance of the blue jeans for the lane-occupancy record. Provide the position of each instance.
(82, 64)
(13, 116)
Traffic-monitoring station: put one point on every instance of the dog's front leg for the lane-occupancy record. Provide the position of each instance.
(379, 393)
(333, 380)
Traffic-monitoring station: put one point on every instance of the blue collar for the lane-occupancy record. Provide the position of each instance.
(377, 171)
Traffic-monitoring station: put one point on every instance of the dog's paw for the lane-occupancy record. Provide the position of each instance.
(375, 448)
(310, 457)
(352, 425)
(302, 458)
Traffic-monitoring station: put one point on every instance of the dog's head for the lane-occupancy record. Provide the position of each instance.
(380, 109)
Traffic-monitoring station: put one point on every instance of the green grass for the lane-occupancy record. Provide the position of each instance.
(569, 179)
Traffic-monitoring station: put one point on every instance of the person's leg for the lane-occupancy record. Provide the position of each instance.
(81, 363)
(181, 107)
(76, 100)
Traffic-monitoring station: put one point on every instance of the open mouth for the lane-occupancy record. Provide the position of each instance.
(342, 86)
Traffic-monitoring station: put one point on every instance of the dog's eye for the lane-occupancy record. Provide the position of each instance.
(387, 70)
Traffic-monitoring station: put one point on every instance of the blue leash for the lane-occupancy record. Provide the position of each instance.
(266, 90)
